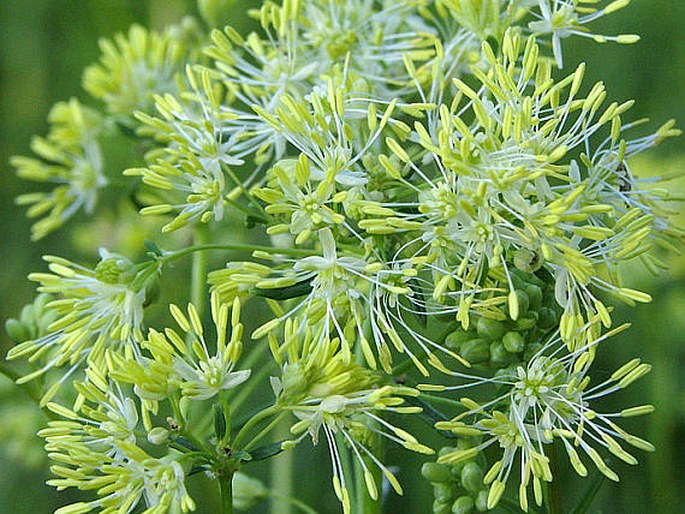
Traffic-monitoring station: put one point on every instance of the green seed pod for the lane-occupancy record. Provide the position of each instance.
(472, 477)
(17, 331)
(499, 356)
(490, 329)
(463, 505)
(548, 318)
(482, 501)
(513, 342)
(475, 351)
(455, 339)
(436, 473)
(444, 493)
(526, 323)
(221, 422)
(534, 296)
(442, 507)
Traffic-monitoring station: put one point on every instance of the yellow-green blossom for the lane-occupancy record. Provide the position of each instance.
(330, 394)
(70, 157)
(99, 309)
(134, 67)
(95, 448)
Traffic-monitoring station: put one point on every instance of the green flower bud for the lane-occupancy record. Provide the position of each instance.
(442, 507)
(513, 342)
(445, 450)
(531, 350)
(455, 339)
(158, 436)
(482, 501)
(17, 331)
(534, 296)
(498, 354)
(444, 492)
(472, 477)
(490, 329)
(548, 318)
(463, 505)
(436, 473)
(526, 323)
(475, 351)
(523, 301)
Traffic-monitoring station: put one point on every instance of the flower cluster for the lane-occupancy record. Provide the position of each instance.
(426, 193)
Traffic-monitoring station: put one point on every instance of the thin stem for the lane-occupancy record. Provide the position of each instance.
(282, 475)
(364, 504)
(252, 422)
(226, 488)
(431, 398)
(199, 270)
(168, 257)
(266, 430)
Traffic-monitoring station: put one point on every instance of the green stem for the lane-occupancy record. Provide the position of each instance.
(430, 398)
(282, 475)
(364, 504)
(168, 257)
(252, 422)
(266, 430)
(226, 488)
(293, 501)
(199, 270)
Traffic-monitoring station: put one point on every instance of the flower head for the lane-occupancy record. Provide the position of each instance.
(187, 363)
(100, 309)
(96, 448)
(71, 158)
(341, 399)
(549, 399)
(134, 67)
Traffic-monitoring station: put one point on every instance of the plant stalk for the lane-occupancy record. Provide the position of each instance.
(282, 474)
(199, 270)
(226, 488)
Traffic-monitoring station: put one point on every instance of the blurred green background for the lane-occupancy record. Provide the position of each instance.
(44, 46)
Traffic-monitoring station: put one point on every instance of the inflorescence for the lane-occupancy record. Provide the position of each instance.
(437, 195)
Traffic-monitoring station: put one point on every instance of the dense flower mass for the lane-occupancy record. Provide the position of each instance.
(425, 192)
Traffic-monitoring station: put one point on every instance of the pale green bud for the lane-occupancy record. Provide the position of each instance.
(472, 477)
(513, 342)
(158, 436)
(463, 505)
(436, 473)
(490, 329)
(475, 351)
